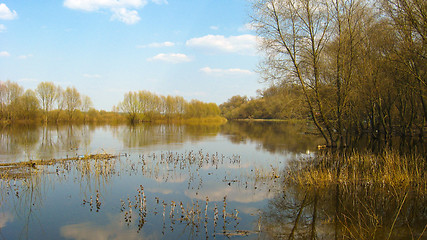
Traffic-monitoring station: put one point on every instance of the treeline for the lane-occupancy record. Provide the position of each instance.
(275, 102)
(360, 66)
(144, 106)
(49, 103)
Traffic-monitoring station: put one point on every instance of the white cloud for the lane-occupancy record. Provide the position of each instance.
(171, 57)
(122, 10)
(214, 28)
(6, 13)
(247, 27)
(160, 2)
(28, 80)
(243, 44)
(230, 71)
(87, 75)
(93, 5)
(4, 54)
(23, 57)
(157, 45)
(2, 28)
(125, 15)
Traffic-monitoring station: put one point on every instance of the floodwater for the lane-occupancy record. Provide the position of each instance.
(178, 182)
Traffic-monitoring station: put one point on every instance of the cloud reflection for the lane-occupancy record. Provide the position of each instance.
(93, 231)
(5, 218)
(216, 192)
(158, 190)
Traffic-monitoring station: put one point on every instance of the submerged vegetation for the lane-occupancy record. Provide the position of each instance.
(351, 196)
(387, 169)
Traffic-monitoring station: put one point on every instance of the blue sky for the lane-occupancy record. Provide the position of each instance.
(198, 49)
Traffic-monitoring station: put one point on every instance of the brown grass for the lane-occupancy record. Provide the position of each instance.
(389, 169)
(32, 163)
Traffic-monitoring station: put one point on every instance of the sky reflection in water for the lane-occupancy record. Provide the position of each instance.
(174, 164)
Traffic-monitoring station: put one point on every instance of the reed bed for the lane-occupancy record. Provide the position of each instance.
(359, 196)
(387, 169)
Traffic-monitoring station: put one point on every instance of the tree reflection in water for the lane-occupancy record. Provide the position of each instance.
(344, 210)
(274, 137)
(308, 200)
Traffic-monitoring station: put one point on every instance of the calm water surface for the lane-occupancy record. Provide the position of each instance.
(187, 182)
(168, 181)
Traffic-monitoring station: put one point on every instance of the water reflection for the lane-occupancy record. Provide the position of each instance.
(351, 212)
(5, 217)
(213, 184)
(114, 229)
(19, 139)
(274, 136)
(21, 143)
(134, 136)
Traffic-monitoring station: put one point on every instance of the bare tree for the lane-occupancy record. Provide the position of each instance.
(409, 19)
(132, 106)
(72, 101)
(47, 93)
(294, 34)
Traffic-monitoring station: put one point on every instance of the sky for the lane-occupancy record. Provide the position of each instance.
(198, 49)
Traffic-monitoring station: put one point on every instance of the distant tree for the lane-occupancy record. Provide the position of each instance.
(3, 90)
(10, 93)
(231, 108)
(47, 93)
(86, 103)
(132, 106)
(28, 105)
(72, 101)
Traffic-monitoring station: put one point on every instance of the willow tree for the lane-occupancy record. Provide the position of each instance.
(47, 93)
(72, 101)
(294, 34)
(132, 106)
(10, 93)
(28, 105)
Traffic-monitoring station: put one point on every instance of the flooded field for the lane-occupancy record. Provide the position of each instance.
(186, 182)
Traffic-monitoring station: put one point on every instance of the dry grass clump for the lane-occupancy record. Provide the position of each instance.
(13, 170)
(389, 169)
(32, 163)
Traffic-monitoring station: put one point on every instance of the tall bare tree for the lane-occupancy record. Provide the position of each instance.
(409, 19)
(72, 101)
(47, 93)
(132, 106)
(294, 34)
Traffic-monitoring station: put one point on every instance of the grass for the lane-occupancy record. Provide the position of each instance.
(353, 195)
(33, 163)
(389, 169)
(24, 169)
